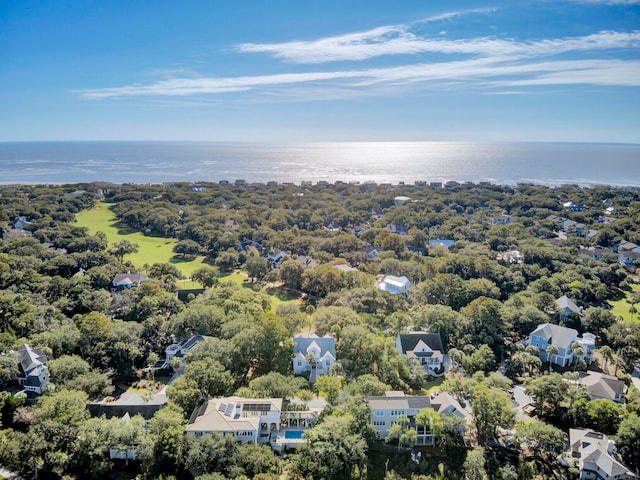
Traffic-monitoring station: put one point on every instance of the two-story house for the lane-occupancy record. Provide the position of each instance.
(314, 354)
(563, 339)
(392, 407)
(33, 374)
(250, 420)
(424, 347)
(567, 307)
(593, 454)
(179, 350)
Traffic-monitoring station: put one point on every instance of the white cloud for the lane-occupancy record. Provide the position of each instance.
(477, 71)
(483, 62)
(398, 40)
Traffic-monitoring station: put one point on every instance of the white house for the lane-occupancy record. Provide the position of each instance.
(425, 347)
(593, 454)
(33, 374)
(127, 280)
(563, 339)
(251, 420)
(181, 349)
(388, 409)
(314, 354)
(393, 284)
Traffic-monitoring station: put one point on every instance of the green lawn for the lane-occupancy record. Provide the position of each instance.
(621, 307)
(160, 250)
(151, 249)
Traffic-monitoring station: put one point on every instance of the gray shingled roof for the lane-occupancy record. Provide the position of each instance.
(561, 337)
(408, 341)
(326, 344)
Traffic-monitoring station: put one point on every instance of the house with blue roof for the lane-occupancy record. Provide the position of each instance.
(314, 354)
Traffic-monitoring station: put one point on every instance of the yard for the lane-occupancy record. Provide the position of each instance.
(151, 249)
(620, 308)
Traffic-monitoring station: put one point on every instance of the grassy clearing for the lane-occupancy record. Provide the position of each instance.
(620, 308)
(151, 249)
(160, 250)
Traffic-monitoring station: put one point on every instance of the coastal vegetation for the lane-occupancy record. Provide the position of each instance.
(486, 265)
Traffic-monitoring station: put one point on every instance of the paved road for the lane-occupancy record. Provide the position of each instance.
(635, 377)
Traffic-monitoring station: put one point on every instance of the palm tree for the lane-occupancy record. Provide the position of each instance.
(552, 351)
(607, 355)
(578, 351)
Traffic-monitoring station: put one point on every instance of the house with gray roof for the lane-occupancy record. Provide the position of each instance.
(33, 374)
(566, 307)
(315, 355)
(387, 410)
(424, 347)
(600, 385)
(563, 339)
(181, 349)
(593, 454)
(446, 404)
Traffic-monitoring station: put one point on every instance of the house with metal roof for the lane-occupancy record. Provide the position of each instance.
(181, 349)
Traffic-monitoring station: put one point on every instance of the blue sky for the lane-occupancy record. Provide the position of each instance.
(289, 71)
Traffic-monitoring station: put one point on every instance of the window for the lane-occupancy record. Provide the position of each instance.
(379, 413)
(299, 363)
(328, 363)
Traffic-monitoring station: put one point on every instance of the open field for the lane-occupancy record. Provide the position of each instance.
(621, 307)
(160, 250)
(151, 249)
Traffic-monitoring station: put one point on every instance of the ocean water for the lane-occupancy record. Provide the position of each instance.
(393, 162)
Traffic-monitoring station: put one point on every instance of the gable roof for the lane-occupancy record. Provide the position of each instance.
(325, 344)
(128, 278)
(565, 302)
(409, 341)
(30, 358)
(594, 448)
(561, 337)
(601, 385)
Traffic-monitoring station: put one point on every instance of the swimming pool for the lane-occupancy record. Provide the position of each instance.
(293, 434)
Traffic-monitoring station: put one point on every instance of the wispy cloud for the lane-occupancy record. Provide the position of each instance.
(494, 64)
(398, 40)
(589, 72)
